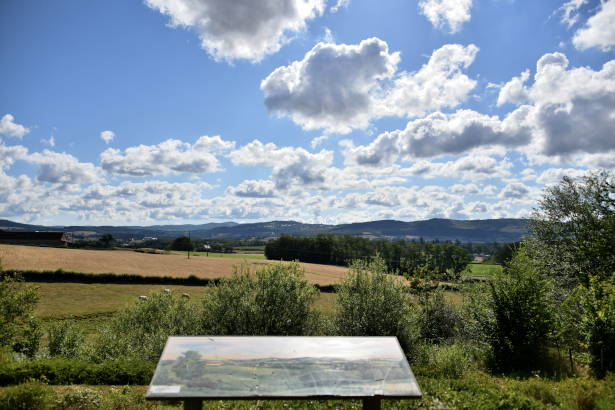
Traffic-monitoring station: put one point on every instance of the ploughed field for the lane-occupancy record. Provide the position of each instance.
(126, 261)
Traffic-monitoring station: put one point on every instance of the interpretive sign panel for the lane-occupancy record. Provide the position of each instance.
(246, 367)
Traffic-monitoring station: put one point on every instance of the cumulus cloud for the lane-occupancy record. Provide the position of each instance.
(344, 87)
(253, 189)
(63, 169)
(470, 168)
(10, 129)
(571, 112)
(107, 136)
(318, 140)
(240, 29)
(599, 30)
(554, 176)
(383, 151)
(442, 13)
(8, 155)
(331, 87)
(514, 190)
(465, 189)
(169, 156)
(51, 141)
(291, 166)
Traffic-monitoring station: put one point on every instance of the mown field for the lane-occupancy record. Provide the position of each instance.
(126, 261)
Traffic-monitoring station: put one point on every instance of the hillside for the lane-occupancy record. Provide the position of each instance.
(487, 230)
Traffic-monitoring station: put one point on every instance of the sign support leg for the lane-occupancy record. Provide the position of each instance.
(193, 404)
(371, 403)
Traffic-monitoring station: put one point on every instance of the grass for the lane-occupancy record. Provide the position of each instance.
(478, 269)
(474, 390)
(224, 255)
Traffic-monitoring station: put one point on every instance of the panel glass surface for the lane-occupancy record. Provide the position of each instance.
(282, 367)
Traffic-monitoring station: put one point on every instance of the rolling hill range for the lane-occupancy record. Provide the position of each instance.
(487, 230)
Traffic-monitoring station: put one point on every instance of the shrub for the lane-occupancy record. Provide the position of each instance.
(62, 371)
(519, 318)
(30, 395)
(19, 329)
(140, 331)
(373, 303)
(276, 300)
(599, 323)
(65, 338)
(449, 361)
(439, 320)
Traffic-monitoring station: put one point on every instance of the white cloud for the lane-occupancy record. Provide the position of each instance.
(446, 12)
(383, 151)
(166, 157)
(470, 168)
(292, 167)
(318, 140)
(341, 87)
(253, 189)
(10, 129)
(107, 136)
(331, 87)
(51, 141)
(572, 112)
(515, 190)
(63, 169)
(514, 91)
(8, 155)
(569, 12)
(240, 29)
(599, 30)
(471, 189)
(340, 4)
(554, 176)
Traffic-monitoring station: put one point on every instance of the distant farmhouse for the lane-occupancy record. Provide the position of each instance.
(34, 238)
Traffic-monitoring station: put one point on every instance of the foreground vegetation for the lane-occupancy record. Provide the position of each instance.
(540, 333)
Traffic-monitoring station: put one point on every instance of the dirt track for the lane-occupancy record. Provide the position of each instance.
(79, 260)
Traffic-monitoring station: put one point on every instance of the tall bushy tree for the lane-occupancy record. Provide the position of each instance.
(599, 323)
(183, 243)
(574, 229)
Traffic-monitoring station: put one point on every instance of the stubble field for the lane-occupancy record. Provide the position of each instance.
(125, 261)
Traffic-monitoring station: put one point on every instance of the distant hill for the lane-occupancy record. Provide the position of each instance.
(484, 230)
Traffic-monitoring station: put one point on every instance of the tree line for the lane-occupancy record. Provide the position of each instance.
(400, 256)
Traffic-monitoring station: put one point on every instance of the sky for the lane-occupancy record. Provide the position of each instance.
(129, 112)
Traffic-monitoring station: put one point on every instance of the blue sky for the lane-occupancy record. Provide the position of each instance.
(191, 111)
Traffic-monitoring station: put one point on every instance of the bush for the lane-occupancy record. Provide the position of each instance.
(450, 361)
(61, 371)
(373, 303)
(139, 332)
(599, 324)
(65, 338)
(439, 320)
(19, 329)
(519, 317)
(31, 395)
(276, 300)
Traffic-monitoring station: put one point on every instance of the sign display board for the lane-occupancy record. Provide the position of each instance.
(270, 367)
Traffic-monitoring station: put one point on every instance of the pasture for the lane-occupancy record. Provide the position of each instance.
(478, 269)
(147, 264)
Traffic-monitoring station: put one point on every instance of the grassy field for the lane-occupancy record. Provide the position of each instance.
(147, 264)
(479, 269)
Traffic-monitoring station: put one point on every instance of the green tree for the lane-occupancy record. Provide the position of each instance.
(183, 243)
(574, 229)
(106, 240)
(189, 366)
(19, 329)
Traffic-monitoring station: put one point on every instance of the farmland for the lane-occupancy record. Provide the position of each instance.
(125, 261)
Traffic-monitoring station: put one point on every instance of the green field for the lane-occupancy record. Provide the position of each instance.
(478, 269)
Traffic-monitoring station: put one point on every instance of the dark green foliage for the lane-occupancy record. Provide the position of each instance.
(19, 329)
(599, 324)
(66, 371)
(373, 303)
(519, 316)
(507, 252)
(106, 240)
(30, 395)
(274, 300)
(399, 256)
(439, 320)
(183, 243)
